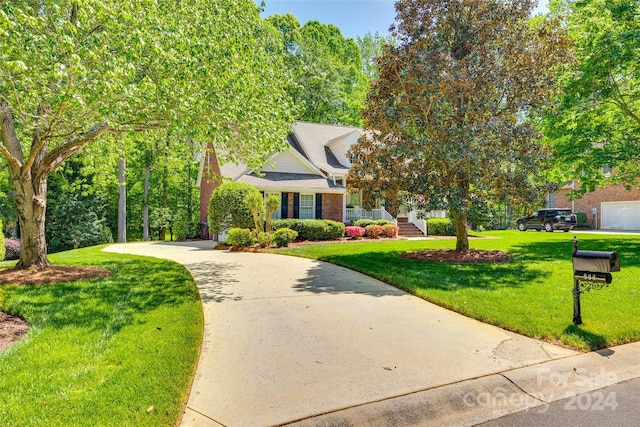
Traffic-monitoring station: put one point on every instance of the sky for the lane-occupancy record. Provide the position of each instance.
(353, 17)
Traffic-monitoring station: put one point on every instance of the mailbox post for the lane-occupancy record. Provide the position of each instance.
(591, 270)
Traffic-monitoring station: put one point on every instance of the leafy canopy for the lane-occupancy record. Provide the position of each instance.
(447, 118)
(597, 122)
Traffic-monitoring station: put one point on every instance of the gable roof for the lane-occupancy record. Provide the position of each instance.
(314, 140)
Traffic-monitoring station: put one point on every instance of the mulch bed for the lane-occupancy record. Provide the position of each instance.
(12, 328)
(472, 256)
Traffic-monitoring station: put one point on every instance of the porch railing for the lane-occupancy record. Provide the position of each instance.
(352, 214)
(418, 219)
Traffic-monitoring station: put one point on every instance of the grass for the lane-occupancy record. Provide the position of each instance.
(531, 294)
(116, 351)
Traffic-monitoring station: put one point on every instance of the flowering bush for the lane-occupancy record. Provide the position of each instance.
(13, 249)
(354, 231)
(374, 231)
(390, 230)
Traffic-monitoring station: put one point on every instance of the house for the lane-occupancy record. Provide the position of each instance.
(610, 208)
(309, 176)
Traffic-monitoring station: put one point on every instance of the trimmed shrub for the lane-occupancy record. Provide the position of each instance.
(354, 232)
(364, 222)
(228, 207)
(241, 237)
(374, 231)
(336, 229)
(283, 236)
(582, 219)
(312, 229)
(12, 248)
(264, 239)
(390, 230)
(441, 227)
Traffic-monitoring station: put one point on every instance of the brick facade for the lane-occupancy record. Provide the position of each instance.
(332, 207)
(612, 193)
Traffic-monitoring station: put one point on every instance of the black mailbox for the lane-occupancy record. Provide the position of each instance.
(591, 270)
(595, 265)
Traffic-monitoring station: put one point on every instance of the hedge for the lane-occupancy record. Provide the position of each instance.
(312, 229)
(441, 227)
(364, 222)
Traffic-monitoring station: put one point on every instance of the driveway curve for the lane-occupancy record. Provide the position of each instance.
(293, 340)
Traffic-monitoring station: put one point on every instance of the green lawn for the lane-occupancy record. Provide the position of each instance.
(531, 294)
(117, 351)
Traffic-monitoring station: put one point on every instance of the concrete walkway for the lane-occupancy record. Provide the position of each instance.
(295, 341)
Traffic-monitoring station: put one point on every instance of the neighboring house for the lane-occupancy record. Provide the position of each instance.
(309, 176)
(610, 208)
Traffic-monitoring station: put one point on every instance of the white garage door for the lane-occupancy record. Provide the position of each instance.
(621, 216)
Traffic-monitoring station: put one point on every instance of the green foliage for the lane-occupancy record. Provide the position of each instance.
(255, 202)
(327, 82)
(74, 72)
(228, 207)
(313, 229)
(100, 352)
(539, 276)
(241, 237)
(264, 239)
(595, 123)
(273, 202)
(441, 227)
(582, 219)
(371, 47)
(74, 221)
(283, 236)
(365, 222)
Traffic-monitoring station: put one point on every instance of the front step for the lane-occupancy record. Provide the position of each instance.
(406, 229)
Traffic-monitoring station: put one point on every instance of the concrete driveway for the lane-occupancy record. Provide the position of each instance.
(292, 340)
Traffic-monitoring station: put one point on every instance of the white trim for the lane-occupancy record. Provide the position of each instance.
(301, 190)
(313, 205)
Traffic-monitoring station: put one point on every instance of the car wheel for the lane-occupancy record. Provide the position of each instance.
(548, 227)
(522, 227)
(566, 230)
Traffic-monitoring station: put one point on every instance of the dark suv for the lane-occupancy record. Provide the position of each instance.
(549, 220)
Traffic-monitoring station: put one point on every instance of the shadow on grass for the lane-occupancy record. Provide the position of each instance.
(593, 341)
(135, 287)
(415, 274)
(628, 249)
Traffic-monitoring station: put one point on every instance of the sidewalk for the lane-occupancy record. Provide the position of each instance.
(295, 341)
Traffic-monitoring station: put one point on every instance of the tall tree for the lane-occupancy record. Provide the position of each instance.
(371, 47)
(327, 83)
(74, 71)
(597, 122)
(447, 118)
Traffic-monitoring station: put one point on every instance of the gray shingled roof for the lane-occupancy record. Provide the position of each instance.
(313, 138)
(289, 181)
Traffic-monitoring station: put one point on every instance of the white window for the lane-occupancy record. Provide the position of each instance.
(307, 206)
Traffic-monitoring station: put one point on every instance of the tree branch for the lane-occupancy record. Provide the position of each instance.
(10, 147)
(63, 152)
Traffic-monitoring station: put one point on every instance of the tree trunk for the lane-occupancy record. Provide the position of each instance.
(462, 239)
(145, 215)
(31, 204)
(122, 200)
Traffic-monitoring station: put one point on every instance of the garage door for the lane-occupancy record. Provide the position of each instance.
(621, 216)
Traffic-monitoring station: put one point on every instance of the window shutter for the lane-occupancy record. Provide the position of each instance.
(318, 206)
(284, 206)
(296, 205)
